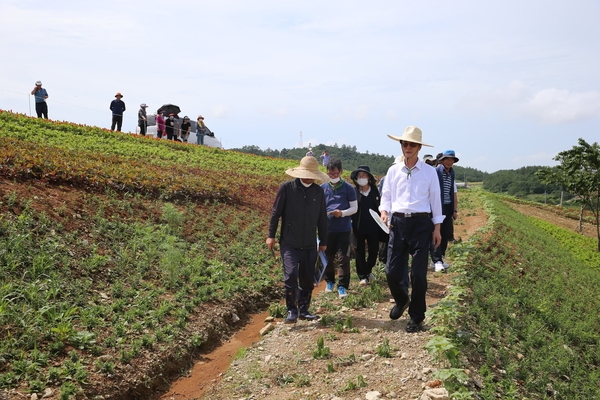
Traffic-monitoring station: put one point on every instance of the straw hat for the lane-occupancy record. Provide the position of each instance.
(411, 134)
(308, 169)
(118, 94)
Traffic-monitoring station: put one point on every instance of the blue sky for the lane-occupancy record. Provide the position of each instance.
(505, 84)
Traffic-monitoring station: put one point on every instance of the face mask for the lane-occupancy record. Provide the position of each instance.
(171, 117)
(362, 181)
(335, 180)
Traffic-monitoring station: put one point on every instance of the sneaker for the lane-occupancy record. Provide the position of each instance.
(342, 292)
(439, 267)
(291, 318)
(308, 316)
(363, 282)
(371, 277)
(329, 287)
(446, 265)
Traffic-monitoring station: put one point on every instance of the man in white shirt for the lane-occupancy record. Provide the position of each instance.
(411, 206)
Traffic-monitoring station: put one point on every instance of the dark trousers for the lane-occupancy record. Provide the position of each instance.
(447, 232)
(159, 134)
(409, 236)
(142, 125)
(170, 135)
(364, 264)
(298, 274)
(117, 121)
(41, 109)
(338, 242)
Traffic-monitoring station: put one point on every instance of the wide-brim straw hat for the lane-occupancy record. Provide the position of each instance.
(411, 134)
(308, 169)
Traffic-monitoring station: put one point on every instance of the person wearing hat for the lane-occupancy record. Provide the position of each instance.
(340, 198)
(186, 128)
(142, 119)
(201, 130)
(411, 207)
(300, 203)
(449, 198)
(117, 107)
(310, 153)
(40, 94)
(429, 160)
(364, 226)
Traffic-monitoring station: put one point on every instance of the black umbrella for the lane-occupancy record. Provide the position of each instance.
(169, 109)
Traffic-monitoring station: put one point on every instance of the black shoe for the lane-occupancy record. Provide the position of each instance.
(308, 316)
(414, 326)
(397, 311)
(291, 318)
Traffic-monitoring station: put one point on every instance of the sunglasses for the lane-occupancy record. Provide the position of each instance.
(409, 144)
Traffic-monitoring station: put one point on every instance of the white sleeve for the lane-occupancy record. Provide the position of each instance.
(352, 210)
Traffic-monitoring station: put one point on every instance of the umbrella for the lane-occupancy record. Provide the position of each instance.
(169, 109)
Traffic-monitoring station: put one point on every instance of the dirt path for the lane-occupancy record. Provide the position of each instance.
(281, 364)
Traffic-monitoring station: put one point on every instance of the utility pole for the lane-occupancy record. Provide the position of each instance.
(301, 145)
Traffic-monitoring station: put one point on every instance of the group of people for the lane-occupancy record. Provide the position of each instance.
(166, 125)
(417, 202)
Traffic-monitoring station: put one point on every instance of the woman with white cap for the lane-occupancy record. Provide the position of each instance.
(300, 203)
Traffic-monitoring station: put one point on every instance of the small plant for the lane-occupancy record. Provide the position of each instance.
(67, 391)
(321, 351)
(197, 340)
(383, 350)
(277, 310)
(330, 368)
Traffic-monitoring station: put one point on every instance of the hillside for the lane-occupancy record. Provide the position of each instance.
(123, 259)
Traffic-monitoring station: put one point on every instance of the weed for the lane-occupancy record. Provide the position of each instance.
(321, 351)
(383, 350)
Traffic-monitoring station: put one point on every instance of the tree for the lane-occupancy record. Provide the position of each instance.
(579, 173)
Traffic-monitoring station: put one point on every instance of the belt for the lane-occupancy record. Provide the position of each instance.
(412, 215)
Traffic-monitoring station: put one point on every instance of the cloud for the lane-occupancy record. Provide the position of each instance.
(549, 106)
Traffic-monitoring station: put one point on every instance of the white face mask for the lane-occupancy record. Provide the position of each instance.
(335, 180)
(362, 181)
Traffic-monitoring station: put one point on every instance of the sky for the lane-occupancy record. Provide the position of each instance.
(505, 84)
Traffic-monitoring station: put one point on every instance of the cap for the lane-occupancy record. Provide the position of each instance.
(143, 105)
(38, 83)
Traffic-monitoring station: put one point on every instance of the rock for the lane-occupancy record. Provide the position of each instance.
(268, 358)
(269, 319)
(34, 396)
(234, 318)
(435, 394)
(373, 395)
(267, 328)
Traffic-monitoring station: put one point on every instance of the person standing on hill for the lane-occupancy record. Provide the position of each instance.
(325, 158)
(117, 107)
(186, 128)
(411, 207)
(201, 130)
(364, 226)
(142, 119)
(160, 124)
(340, 198)
(170, 127)
(300, 203)
(40, 94)
(449, 198)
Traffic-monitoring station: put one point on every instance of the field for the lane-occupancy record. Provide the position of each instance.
(123, 259)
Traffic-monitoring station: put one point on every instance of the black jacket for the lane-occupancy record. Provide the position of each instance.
(362, 221)
(302, 211)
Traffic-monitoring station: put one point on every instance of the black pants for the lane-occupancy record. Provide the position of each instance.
(338, 242)
(142, 125)
(117, 121)
(41, 108)
(298, 275)
(364, 264)
(447, 232)
(409, 236)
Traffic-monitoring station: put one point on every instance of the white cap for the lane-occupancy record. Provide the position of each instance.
(38, 83)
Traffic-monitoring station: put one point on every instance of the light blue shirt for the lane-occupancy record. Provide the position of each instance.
(40, 94)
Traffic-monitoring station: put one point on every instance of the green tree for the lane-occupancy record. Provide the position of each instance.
(579, 173)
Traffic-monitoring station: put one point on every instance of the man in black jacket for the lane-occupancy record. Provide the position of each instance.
(300, 203)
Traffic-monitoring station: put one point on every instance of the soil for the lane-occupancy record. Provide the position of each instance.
(281, 365)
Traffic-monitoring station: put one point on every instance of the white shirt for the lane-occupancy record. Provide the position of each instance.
(412, 191)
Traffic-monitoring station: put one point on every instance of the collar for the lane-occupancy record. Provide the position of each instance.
(336, 186)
